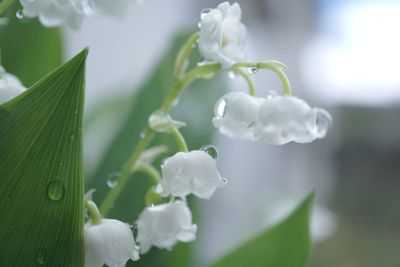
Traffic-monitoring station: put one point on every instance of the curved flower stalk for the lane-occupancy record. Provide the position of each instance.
(164, 225)
(52, 13)
(222, 35)
(193, 172)
(10, 86)
(107, 241)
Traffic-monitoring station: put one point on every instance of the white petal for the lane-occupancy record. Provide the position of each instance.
(10, 86)
(111, 242)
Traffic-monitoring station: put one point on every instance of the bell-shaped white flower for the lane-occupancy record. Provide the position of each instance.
(236, 114)
(222, 35)
(162, 122)
(282, 119)
(109, 242)
(193, 172)
(52, 13)
(10, 86)
(164, 225)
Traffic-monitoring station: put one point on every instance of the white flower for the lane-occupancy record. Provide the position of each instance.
(10, 86)
(110, 242)
(164, 225)
(275, 120)
(52, 13)
(193, 172)
(282, 119)
(236, 113)
(222, 35)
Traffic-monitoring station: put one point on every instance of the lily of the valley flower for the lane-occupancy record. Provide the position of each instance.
(275, 120)
(193, 172)
(235, 114)
(222, 35)
(109, 242)
(164, 225)
(10, 86)
(282, 119)
(52, 13)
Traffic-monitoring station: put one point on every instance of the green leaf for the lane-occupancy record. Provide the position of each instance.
(195, 108)
(29, 50)
(41, 182)
(285, 245)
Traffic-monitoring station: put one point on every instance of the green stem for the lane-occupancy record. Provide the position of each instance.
(149, 134)
(274, 66)
(93, 212)
(5, 5)
(180, 141)
(246, 76)
(183, 55)
(185, 81)
(150, 171)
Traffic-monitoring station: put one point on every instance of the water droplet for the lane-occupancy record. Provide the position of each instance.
(323, 122)
(41, 257)
(19, 14)
(199, 25)
(221, 107)
(232, 75)
(204, 12)
(142, 135)
(271, 94)
(176, 101)
(113, 179)
(252, 70)
(55, 190)
(224, 181)
(210, 150)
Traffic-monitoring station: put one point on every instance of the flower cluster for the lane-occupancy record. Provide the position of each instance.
(10, 86)
(52, 13)
(274, 120)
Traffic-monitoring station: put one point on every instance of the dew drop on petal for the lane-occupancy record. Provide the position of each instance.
(323, 122)
(41, 257)
(210, 150)
(204, 12)
(112, 179)
(221, 108)
(19, 14)
(232, 75)
(55, 190)
(252, 70)
(224, 181)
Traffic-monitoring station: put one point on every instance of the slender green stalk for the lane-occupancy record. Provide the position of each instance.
(180, 141)
(93, 212)
(183, 55)
(150, 171)
(5, 5)
(149, 134)
(246, 76)
(274, 66)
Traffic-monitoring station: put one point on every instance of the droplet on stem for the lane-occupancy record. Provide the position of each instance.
(113, 179)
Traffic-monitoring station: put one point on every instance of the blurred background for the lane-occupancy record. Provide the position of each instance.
(342, 55)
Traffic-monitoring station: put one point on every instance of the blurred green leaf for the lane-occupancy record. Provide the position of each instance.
(41, 182)
(29, 50)
(285, 245)
(195, 108)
